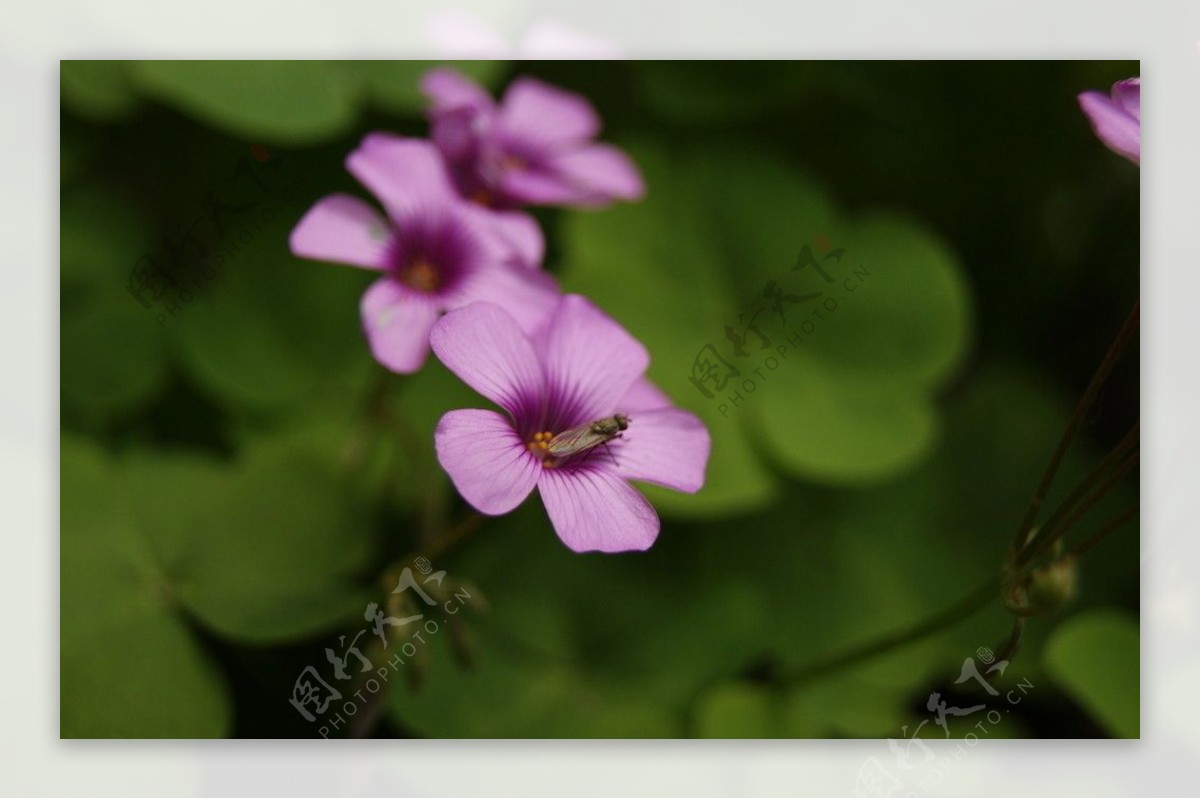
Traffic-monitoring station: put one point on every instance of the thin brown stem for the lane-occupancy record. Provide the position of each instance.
(452, 536)
(1128, 442)
(436, 547)
(1088, 503)
(1103, 533)
(978, 599)
(1085, 403)
(1013, 644)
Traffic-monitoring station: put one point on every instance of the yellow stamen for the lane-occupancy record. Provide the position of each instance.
(539, 447)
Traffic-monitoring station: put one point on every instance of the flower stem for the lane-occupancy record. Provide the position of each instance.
(1013, 643)
(1048, 531)
(1085, 403)
(1052, 535)
(1103, 533)
(1023, 550)
(436, 547)
(966, 607)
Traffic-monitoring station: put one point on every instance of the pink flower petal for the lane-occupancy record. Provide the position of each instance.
(1128, 95)
(487, 462)
(600, 172)
(450, 89)
(593, 509)
(528, 296)
(512, 237)
(643, 395)
(668, 447)
(523, 235)
(342, 229)
(541, 187)
(1119, 130)
(589, 360)
(539, 116)
(404, 174)
(456, 132)
(485, 347)
(397, 321)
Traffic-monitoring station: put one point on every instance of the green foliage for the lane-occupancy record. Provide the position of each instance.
(251, 349)
(281, 102)
(395, 85)
(117, 361)
(269, 550)
(237, 472)
(102, 235)
(736, 710)
(1094, 657)
(843, 388)
(274, 551)
(101, 90)
(290, 102)
(130, 667)
(117, 365)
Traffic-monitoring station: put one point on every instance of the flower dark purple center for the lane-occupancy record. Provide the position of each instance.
(432, 252)
(481, 177)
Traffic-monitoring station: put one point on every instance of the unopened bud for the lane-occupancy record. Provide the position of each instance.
(1046, 590)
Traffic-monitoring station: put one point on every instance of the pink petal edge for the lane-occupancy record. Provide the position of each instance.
(1116, 128)
(486, 460)
(486, 348)
(668, 447)
(594, 510)
(397, 321)
(402, 173)
(342, 229)
(542, 116)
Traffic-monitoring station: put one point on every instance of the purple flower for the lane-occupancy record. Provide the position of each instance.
(580, 368)
(435, 251)
(1117, 118)
(535, 147)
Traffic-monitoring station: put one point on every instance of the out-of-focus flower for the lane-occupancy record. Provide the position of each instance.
(1117, 117)
(580, 378)
(435, 251)
(534, 147)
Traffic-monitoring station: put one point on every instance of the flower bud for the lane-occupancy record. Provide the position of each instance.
(1046, 590)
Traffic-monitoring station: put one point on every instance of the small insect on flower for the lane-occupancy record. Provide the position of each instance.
(585, 436)
(545, 383)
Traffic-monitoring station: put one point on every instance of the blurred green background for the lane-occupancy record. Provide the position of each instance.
(237, 472)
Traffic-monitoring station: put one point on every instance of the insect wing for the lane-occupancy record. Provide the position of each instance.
(577, 439)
